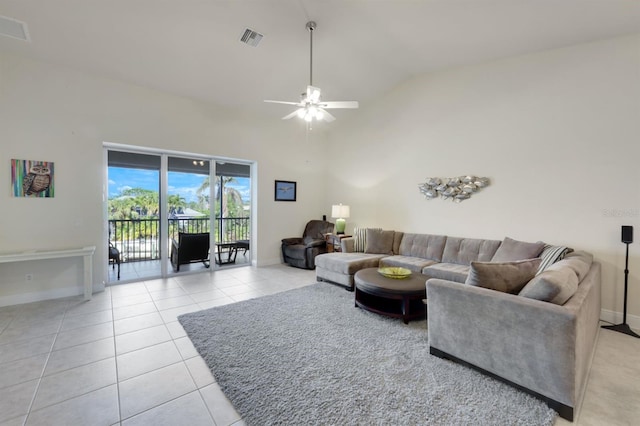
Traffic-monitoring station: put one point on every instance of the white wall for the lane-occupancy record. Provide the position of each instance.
(557, 132)
(61, 115)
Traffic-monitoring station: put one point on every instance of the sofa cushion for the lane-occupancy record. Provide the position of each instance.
(416, 264)
(360, 239)
(508, 277)
(447, 271)
(379, 241)
(334, 277)
(553, 285)
(347, 263)
(425, 246)
(578, 261)
(465, 250)
(397, 239)
(559, 281)
(551, 254)
(511, 250)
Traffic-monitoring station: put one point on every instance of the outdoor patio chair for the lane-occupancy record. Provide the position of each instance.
(190, 248)
(114, 257)
(301, 252)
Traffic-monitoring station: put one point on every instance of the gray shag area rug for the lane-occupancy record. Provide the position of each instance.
(308, 356)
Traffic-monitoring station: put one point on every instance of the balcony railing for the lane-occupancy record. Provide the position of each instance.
(139, 240)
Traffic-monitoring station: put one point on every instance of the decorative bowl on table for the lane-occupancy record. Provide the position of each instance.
(394, 272)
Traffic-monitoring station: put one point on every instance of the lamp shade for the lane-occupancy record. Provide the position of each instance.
(340, 211)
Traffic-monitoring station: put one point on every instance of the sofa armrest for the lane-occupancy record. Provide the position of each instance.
(347, 244)
(534, 344)
(316, 243)
(291, 241)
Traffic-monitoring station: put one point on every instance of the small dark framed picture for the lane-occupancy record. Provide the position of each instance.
(285, 190)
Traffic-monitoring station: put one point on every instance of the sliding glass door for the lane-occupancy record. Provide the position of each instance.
(233, 201)
(188, 213)
(164, 216)
(133, 210)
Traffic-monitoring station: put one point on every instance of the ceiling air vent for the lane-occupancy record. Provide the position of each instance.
(13, 28)
(250, 37)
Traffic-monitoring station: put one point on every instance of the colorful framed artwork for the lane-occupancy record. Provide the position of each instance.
(285, 190)
(30, 178)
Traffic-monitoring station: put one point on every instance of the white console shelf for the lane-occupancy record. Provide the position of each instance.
(86, 253)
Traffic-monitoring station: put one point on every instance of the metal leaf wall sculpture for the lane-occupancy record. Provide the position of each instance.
(457, 189)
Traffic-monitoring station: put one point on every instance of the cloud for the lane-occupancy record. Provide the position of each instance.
(189, 194)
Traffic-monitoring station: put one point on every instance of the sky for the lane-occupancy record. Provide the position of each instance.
(183, 184)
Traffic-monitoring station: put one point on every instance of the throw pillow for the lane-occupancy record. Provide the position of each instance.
(553, 285)
(397, 240)
(579, 262)
(508, 277)
(360, 239)
(511, 250)
(551, 254)
(379, 241)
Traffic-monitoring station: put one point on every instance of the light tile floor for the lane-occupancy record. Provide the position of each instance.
(123, 359)
(142, 270)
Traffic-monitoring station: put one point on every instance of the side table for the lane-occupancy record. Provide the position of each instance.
(334, 242)
(228, 249)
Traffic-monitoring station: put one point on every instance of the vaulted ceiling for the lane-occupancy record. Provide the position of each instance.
(362, 48)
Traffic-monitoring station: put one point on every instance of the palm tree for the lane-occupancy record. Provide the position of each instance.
(229, 199)
(132, 204)
(203, 192)
(175, 201)
(146, 200)
(229, 202)
(122, 208)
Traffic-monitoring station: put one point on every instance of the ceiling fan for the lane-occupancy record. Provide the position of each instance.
(311, 104)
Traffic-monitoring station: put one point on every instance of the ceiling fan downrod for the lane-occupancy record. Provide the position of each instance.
(310, 106)
(311, 25)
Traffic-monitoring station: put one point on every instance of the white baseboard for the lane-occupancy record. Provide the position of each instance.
(616, 318)
(37, 296)
(269, 262)
(57, 293)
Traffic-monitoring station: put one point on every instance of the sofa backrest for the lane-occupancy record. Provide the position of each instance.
(463, 251)
(425, 246)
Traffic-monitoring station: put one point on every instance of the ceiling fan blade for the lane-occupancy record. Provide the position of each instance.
(288, 116)
(310, 106)
(340, 104)
(284, 102)
(326, 116)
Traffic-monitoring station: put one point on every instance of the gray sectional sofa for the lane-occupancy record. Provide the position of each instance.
(538, 335)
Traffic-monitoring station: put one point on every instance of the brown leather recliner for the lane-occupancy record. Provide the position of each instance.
(301, 252)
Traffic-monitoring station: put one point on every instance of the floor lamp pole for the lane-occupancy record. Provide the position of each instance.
(624, 327)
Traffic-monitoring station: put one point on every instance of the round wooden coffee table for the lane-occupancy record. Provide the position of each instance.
(397, 298)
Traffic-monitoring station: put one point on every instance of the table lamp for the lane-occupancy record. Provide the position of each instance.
(340, 212)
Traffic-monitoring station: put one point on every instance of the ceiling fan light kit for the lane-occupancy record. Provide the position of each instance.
(311, 105)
